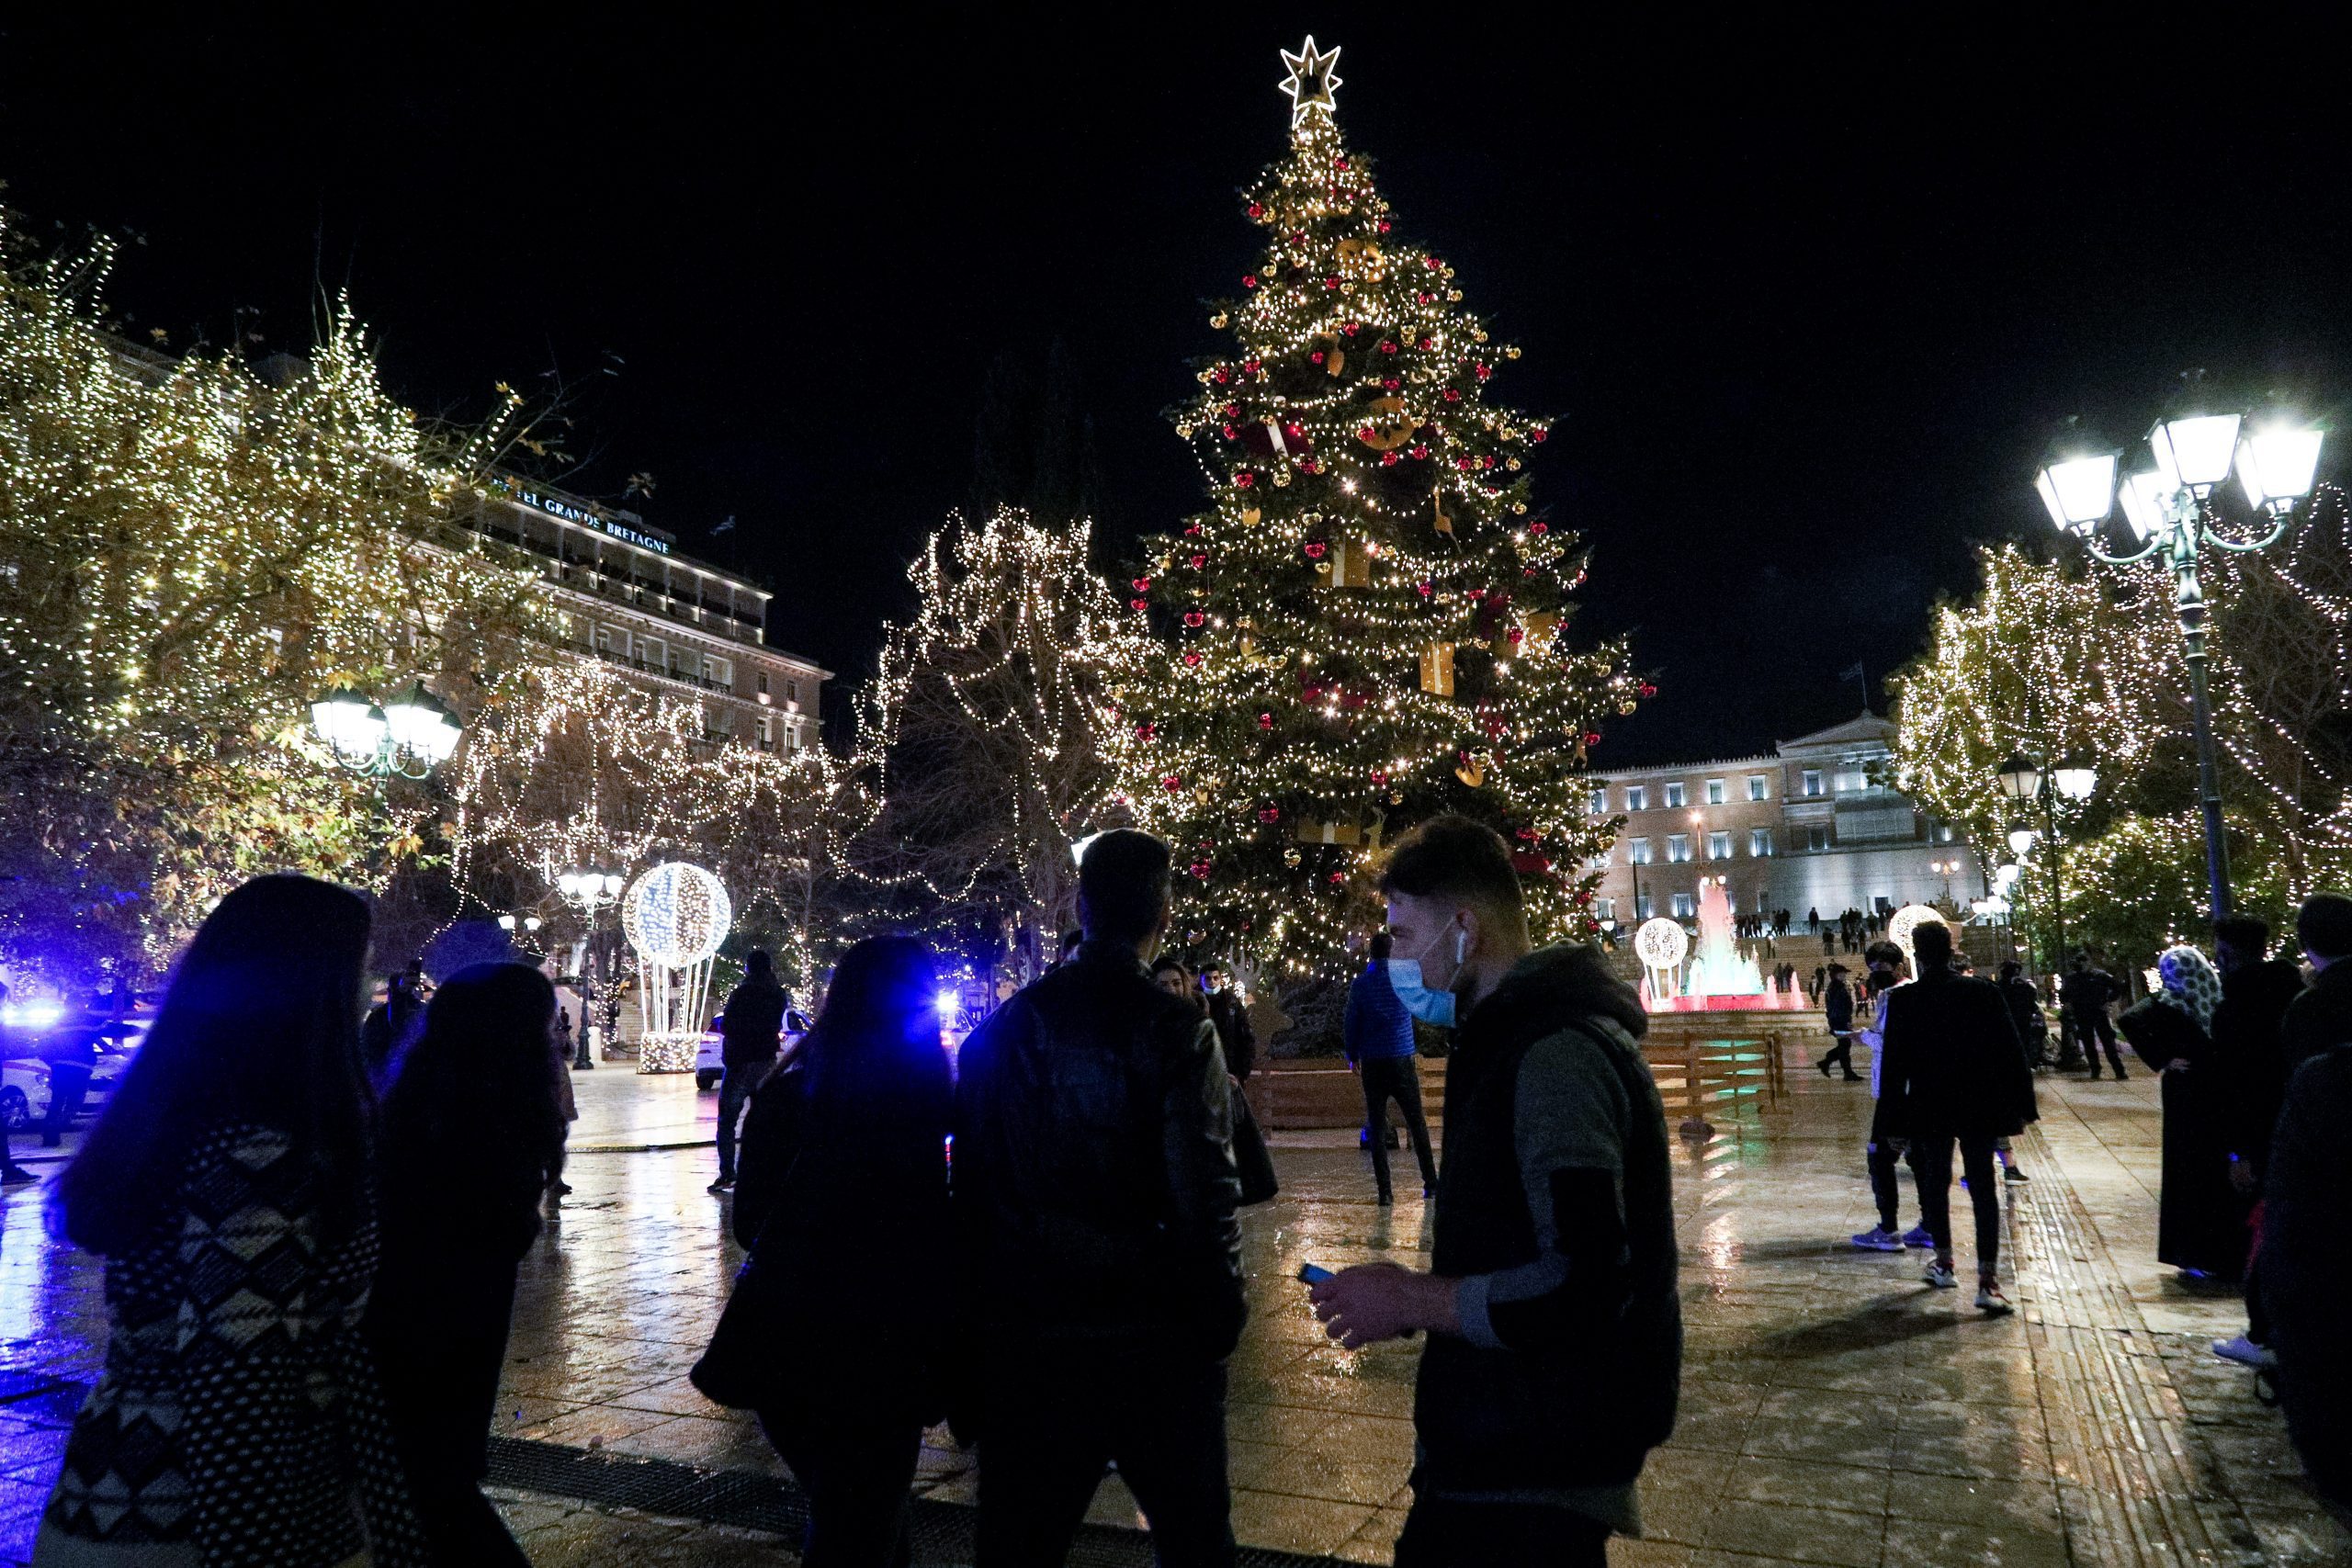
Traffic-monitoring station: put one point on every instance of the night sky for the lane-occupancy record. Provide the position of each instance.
(1807, 303)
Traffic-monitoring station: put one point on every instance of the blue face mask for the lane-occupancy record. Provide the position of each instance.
(1429, 1006)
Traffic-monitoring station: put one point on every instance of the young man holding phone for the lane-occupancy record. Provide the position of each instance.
(1555, 1339)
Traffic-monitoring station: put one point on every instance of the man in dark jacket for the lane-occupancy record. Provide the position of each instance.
(2250, 1070)
(1378, 1035)
(1094, 1194)
(750, 1032)
(2306, 1269)
(2086, 993)
(1555, 1335)
(1234, 1034)
(1837, 1008)
(2025, 1011)
(2322, 1015)
(1953, 1071)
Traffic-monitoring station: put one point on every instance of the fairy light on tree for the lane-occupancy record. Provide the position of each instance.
(1368, 627)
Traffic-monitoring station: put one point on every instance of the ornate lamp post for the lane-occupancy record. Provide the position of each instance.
(407, 737)
(2027, 783)
(2169, 508)
(587, 889)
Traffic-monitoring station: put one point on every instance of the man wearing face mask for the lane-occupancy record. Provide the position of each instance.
(1556, 1335)
(1377, 1033)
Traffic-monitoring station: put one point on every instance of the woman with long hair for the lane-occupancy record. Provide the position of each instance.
(1171, 975)
(842, 1197)
(476, 1101)
(238, 1418)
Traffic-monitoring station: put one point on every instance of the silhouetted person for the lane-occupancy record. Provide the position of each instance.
(11, 1172)
(2025, 1011)
(2257, 991)
(239, 1417)
(2306, 1269)
(751, 1032)
(1376, 1032)
(2322, 1016)
(2200, 1223)
(843, 1203)
(1552, 1362)
(1953, 1071)
(391, 1023)
(1838, 1007)
(2085, 994)
(1096, 1189)
(479, 1104)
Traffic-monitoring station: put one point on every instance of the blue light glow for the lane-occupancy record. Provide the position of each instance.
(31, 1015)
(949, 1003)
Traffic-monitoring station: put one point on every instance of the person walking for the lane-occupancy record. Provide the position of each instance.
(1094, 1195)
(2257, 991)
(1376, 1032)
(2087, 993)
(1235, 1034)
(239, 1417)
(2202, 1217)
(1553, 1361)
(477, 1102)
(71, 1056)
(750, 1032)
(841, 1201)
(1954, 1072)
(2304, 1267)
(1881, 1154)
(1837, 1006)
(11, 1173)
(2321, 1016)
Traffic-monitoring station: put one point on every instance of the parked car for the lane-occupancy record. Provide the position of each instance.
(710, 1063)
(23, 1091)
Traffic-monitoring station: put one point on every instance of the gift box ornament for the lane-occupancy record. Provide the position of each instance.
(1541, 624)
(1349, 565)
(1436, 669)
(1312, 831)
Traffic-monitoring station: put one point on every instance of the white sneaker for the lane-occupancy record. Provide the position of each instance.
(1941, 1277)
(1990, 1301)
(2245, 1352)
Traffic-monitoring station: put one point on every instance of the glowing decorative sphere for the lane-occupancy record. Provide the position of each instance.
(676, 915)
(1905, 921)
(1662, 943)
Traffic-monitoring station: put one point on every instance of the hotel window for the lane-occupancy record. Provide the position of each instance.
(764, 683)
(1943, 832)
(767, 733)
(1598, 805)
(792, 691)
(652, 653)
(1817, 837)
(1604, 909)
(1683, 908)
(718, 671)
(1642, 907)
(1719, 846)
(1812, 782)
(1637, 852)
(1678, 848)
(613, 640)
(1755, 786)
(1715, 796)
(1635, 799)
(1760, 842)
(1674, 796)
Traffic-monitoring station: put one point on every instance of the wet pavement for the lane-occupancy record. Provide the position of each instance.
(1836, 1411)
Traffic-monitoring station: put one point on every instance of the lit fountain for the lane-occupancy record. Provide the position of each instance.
(1719, 978)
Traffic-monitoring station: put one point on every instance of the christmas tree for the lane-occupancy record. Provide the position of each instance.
(1368, 627)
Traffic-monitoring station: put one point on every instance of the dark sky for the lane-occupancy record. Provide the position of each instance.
(1805, 298)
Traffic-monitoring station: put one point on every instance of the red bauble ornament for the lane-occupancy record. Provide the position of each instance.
(1453, 395)
(1232, 410)
(1518, 634)
(1244, 478)
(1194, 660)
(1391, 383)
(1146, 731)
(1421, 451)
(1386, 347)
(1201, 869)
(1270, 814)
(1252, 365)
(1428, 588)
(1316, 357)
(1265, 721)
(1256, 210)
(1431, 263)
(1316, 549)
(1199, 561)
(1138, 603)
(1194, 618)
(1141, 585)
(1379, 779)
(1191, 530)
(1388, 459)
(1339, 879)
(1172, 783)
(1248, 280)
(1222, 374)
(1539, 529)
(1422, 298)
(1349, 327)
(1592, 737)
(1383, 225)
(1462, 464)
(1331, 282)
(1648, 689)
(1230, 433)
(1482, 371)
(1537, 433)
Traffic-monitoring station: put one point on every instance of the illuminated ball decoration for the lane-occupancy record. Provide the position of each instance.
(676, 915)
(1661, 943)
(1903, 923)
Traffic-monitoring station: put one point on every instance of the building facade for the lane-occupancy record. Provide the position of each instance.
(631, 599)
(1815, 824)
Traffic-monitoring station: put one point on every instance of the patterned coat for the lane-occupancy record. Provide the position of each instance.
(239, 1411)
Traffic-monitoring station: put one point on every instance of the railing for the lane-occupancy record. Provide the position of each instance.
(613, 656)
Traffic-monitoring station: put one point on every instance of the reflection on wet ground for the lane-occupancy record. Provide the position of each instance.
(1834, 1411)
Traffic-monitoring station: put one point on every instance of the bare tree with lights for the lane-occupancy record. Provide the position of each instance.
(1369, 625)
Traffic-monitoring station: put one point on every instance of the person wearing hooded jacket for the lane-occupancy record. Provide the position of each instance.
(1553, 1363)
(2202, 1217)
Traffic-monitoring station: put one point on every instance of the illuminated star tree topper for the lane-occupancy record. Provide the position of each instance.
(1311, 80)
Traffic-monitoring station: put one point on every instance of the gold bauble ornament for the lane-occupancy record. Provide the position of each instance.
(1290, 857)
(1626, 708)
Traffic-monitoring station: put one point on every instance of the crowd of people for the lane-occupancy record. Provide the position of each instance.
(2255, 1063)
(303, 1354)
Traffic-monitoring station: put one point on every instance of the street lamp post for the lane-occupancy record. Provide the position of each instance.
(2027, 783)
(407, 737)
(587, 889)
(2169, 508)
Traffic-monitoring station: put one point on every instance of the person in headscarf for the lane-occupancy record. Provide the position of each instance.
(2201, 1217)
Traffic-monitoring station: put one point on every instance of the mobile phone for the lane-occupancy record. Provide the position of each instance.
(1314, 1274)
